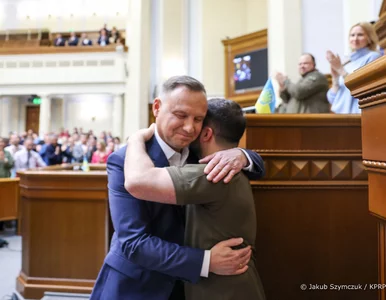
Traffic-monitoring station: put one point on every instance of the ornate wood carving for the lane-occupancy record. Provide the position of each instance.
(380, 26)
(312, 205)
(368, 84)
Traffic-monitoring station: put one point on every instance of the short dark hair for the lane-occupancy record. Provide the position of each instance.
(312, 57)
(189, 82)
(227, 120)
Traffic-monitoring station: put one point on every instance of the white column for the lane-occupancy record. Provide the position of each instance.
(172, 42)
(138, 83)
(195, 38)
(117, 116)
(45, 115)
(318, 39)
(284, 36)
(169, 41)
(5, 116)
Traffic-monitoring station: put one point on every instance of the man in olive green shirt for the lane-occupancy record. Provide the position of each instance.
(215, 212)
(309, 94)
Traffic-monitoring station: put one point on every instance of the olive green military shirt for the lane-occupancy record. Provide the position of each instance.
(308, 95)
(214, 213)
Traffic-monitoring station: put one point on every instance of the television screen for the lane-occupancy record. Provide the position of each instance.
(250, 70)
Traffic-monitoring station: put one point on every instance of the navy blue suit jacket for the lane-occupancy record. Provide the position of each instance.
(147, 253)
(52, 158)
(61, 43)
(89, 43)
(107, 42)
(73, 42)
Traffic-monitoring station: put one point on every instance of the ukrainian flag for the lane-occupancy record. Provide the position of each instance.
(267, 101)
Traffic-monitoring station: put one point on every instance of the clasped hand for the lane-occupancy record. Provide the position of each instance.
(221, 165)
(335, 63)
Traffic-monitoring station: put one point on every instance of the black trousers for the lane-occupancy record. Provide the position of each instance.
(178, 291)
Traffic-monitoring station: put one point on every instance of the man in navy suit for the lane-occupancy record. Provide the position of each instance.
(147, 257)
(103, 39)
(73, 40)
(54, 153)
(85, 40)
(59, 41)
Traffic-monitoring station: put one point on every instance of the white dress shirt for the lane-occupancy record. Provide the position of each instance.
(179, 160)
(25, 161)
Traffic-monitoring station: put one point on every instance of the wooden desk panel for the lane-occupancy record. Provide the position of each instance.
(320, 235)
(65, 230)
(313, 224)
(368, 84)
(9, 199)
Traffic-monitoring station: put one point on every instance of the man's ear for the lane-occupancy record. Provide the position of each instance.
(156, 106)
(206, 134)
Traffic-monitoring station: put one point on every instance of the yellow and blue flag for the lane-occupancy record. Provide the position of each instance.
(267, 100)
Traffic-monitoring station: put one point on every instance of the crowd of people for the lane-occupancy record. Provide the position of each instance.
(106, 37)
(28, 150)
(311, 94)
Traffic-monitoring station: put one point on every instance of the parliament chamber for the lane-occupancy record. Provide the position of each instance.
(320, 207)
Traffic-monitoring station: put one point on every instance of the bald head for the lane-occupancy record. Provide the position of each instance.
(306, 64)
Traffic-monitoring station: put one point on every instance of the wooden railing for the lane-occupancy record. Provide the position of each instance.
(312, 220)
(41, 42)
(368, 84)
(9, 199)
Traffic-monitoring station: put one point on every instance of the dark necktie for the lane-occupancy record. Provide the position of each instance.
(28, 158)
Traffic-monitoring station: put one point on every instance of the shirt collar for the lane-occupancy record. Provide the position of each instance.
(170, 152)
(359, 53)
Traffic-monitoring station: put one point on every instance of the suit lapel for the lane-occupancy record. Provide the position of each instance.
(160, 161)
(156, 154)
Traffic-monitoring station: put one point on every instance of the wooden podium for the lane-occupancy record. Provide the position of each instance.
(9, 199)
(313, 225)
(369, 86)
(64, 229)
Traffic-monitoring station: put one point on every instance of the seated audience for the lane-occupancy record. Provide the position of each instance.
(114, 35)
(58, 148)
(308, 95)
(120, 47)
(363, 43)
(14, 145)
(23, 136)
(59, 41)
(13, 148)
(85, 40)
(108, 32)
(103, 39)
(6, 161)
(54, 152)
(91, 146)
(101, 154)
(110, 146)
(36, 138)
(42, 149)
(80, 149)
(103, 136)
(64, 132)
(68, 150)
(28, 158)
(73, 40)
(117, 144)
